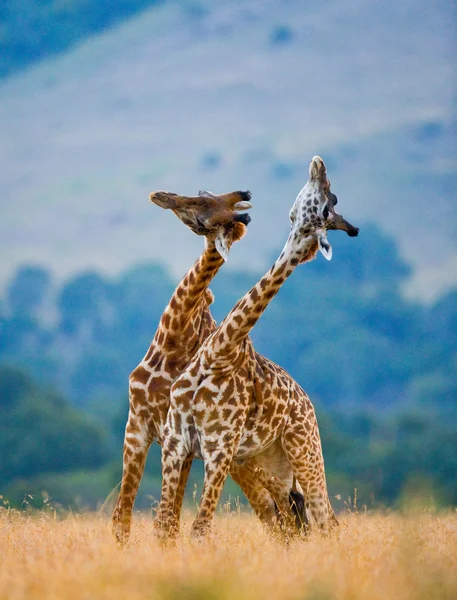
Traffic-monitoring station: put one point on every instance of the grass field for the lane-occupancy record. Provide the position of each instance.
(373, 556)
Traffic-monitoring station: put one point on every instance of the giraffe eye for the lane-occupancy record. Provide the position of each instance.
(325, 212)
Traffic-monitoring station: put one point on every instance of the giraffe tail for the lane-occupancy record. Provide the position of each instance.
(297, 505)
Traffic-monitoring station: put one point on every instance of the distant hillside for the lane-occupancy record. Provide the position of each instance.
(227, 96)
(34, 30)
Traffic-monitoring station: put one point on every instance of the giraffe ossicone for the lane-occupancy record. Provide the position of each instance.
(233, 404)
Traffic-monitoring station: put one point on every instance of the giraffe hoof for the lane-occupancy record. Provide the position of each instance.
(200, 532)
(165, 530)
(121, 534)
(120, 527)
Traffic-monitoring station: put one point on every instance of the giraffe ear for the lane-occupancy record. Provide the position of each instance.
(324, 246)
(221, 245)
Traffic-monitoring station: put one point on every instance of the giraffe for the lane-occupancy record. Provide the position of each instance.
(212, 403)
(184, 325)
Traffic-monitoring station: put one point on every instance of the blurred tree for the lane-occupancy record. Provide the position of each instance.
(28, 289)
(40, 432)
(85, 306)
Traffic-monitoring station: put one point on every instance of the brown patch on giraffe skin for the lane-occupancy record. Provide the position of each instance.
(173, 443)
(270, 294)
(188, 304)
(166, 319)
(212, 428)
(140, 375)
(137, 398)
(177, 421)
(258, 309)
(132, 441)
(158, 385)
(254, 295)
(219, 458)
(154, 358)
(226, 413)
(213, 415)
(275, 421)
(143, 414)
(129, 479)
(183, 403)
(198, 416)
(242, 305)
(230, 330)
(227, 437)
(280, 269)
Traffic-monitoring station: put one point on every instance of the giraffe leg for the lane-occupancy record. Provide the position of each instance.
(174, 455)
(136, 446)
(183, 477)
(287, 503)
(246, 476)
(304, 452)
(217, 465)
(272, 500)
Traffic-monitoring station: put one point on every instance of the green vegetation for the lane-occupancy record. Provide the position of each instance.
(379, 368)
(31, 30)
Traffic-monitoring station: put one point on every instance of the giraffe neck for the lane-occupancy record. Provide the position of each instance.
(235, 328)
(187, 321)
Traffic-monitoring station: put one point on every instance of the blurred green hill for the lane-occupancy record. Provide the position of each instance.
(206, 94)
(380, 369)
(32, 30)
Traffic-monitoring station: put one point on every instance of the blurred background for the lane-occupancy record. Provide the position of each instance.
(103, 102)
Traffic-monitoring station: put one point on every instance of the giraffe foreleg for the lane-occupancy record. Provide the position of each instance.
(174, 455)
(184, 476)
(136, 446)
(217, 465)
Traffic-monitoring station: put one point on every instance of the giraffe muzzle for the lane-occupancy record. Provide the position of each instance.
(245, 218)
(340, 223)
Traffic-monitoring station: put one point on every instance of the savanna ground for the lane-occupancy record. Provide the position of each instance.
(372, 556)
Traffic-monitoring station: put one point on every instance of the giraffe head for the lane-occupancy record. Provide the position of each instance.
(214, 216)
(313, 213)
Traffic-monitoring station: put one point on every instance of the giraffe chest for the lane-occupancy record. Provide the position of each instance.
(264, 426)
(247, 412)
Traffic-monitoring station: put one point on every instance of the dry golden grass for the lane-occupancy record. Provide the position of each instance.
(378, 556)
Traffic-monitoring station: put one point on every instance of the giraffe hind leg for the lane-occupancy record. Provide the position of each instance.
(246, 476)
(136, 447)
(304, 453)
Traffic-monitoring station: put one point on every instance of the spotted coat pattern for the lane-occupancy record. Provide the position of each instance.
(183, 327)
(231, 403)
